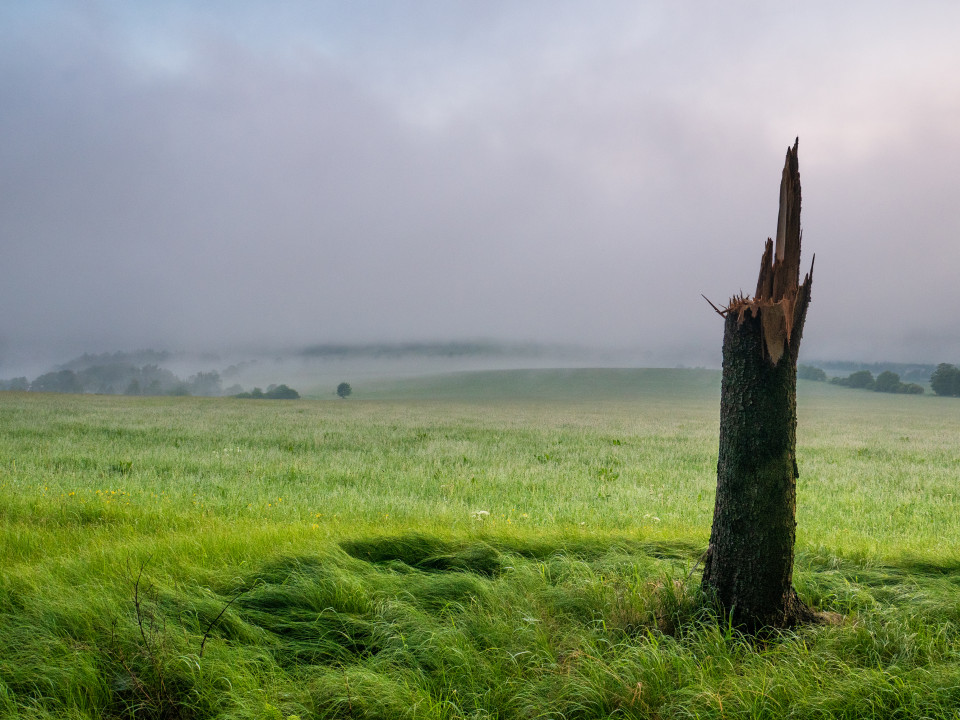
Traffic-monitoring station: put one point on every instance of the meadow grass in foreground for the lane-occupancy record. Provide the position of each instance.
(510, 545)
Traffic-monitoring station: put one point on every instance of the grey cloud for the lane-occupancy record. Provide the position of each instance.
(200, 179)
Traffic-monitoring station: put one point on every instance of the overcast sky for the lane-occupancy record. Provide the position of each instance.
(197, 176)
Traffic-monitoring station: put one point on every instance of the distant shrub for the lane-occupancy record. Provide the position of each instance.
(281, 392)
(205, 383)
(862, 380)
(809, 372)
(17, 383)
(910, 389)
(63, 381)
(945, 380)
(890, 382)
(887, 382)
(106, 379)
(154, 380)
(274, 392)
(344, 390)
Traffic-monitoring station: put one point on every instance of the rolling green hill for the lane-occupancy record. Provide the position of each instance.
(553, 384)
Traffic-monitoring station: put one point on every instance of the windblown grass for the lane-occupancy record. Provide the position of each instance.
(489, 554)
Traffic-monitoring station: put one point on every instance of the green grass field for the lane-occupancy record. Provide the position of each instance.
(483, 545)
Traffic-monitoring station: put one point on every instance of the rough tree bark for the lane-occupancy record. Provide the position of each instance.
(749, 563)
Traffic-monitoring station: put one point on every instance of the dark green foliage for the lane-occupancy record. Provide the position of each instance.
(205, 384)
(274, 392)
(344, 390)
(887, 381)
(281, 392)
(908, 372)
(140, 357)
(910, 389)
(63, 381)
(809, 372)
(945, 380)
(862, 379)
(118, 377)
(890, 382)
(155, 380)
(111, 378)
(16, 384)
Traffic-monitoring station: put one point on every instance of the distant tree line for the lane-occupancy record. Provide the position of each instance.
(118, 378)
(138, 358)
(887, 381)
(946, 380)
(17, 383)
(908, 372)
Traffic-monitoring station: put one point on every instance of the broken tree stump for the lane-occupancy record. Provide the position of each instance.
(748, 567)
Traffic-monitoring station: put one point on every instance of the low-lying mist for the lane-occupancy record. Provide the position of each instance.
(314, 369)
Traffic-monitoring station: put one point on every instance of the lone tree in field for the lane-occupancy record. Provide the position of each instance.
(749, 563)
(344, 390)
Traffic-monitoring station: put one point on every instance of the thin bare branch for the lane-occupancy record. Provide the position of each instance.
(721, 313)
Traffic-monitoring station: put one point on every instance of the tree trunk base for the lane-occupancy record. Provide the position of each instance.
(792, 613)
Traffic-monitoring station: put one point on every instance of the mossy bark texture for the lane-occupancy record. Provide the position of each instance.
(749, 562)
